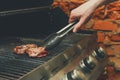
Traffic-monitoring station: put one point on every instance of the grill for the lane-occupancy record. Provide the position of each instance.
(13, 66)
(20, 25)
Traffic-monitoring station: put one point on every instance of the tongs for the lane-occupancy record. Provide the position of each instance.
(55, 38)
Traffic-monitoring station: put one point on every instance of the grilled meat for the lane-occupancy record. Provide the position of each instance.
(22, 49)
(36, 52)
(31, 49)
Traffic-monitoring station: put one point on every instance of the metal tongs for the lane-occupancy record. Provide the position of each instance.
(54, 39)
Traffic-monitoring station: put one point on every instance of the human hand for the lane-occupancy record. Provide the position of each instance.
(83, 13)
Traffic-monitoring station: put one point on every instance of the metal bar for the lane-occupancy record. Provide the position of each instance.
(9, 71)
(29, 60)
(19, 66)
(6, 77)
(19, 11)
(16, 69)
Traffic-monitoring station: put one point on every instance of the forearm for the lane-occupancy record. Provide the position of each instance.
(96, 3)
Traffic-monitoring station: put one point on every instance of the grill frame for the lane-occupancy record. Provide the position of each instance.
(41, 70)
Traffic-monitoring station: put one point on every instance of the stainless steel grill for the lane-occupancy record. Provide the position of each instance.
(25, 21)
(13, 66)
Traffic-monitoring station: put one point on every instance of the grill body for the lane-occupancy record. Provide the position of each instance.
(21, 25)
(22, 67)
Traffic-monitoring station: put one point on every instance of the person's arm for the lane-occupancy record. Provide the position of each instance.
(83, 12)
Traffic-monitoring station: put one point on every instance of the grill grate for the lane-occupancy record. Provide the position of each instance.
(13, 66)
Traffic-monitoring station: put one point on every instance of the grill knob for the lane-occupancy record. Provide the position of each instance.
(83, 67)
(87, 64)
(99, 53)
(74, 75)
